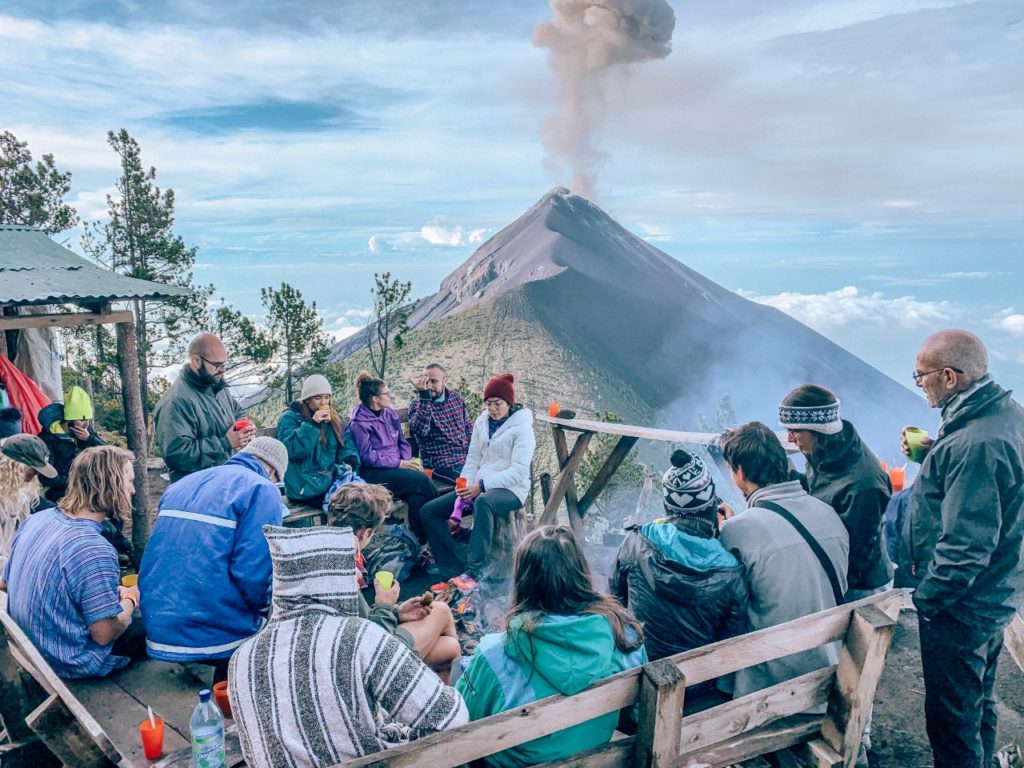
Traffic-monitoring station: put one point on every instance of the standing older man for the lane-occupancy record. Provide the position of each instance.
(962, 544)
(440, 423)
(195, 419)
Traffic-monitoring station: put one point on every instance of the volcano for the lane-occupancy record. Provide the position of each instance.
(633, 330)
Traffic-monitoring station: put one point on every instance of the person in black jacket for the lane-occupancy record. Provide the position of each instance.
(67, 430)
(677, 578)
(844, 473)
(962, 544)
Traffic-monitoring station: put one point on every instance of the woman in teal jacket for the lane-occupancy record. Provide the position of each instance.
(317, 443)
(562, 637)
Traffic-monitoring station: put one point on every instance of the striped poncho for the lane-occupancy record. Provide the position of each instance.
(307, 688)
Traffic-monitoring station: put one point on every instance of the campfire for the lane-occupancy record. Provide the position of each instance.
(476, 612)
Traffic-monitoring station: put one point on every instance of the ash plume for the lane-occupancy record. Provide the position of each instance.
(587, 38)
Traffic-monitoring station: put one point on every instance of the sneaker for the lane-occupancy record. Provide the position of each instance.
(428, 564)
(464, 583)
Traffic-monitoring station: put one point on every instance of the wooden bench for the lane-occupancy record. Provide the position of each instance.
(764, 721)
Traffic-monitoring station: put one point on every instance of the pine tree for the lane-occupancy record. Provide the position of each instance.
(298, 329)
(390, 319)
(251, 348)
(33, 194)
(139, 241)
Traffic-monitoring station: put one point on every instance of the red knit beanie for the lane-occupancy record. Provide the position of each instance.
(501, 386)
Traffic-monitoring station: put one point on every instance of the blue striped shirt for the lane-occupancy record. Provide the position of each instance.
(61, 577)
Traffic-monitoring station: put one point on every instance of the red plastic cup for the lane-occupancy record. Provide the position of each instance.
(553, 409)
(897, 476)
(152, 738)
(242, 424)
(428, 472)
(220, 695)
(460, 483)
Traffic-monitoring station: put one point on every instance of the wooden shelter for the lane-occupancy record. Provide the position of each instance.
(35, 271)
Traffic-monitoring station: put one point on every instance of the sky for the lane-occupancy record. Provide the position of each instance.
(857, 164)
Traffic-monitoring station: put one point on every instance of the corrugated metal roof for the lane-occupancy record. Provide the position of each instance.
(36, 270)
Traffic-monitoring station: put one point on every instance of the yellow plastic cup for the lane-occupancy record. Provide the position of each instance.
(130, 580)
(914, 437)
(386, 579)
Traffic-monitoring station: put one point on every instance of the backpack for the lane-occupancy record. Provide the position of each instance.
(345, 475)
(393, 548)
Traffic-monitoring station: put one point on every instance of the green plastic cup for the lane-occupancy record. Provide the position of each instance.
(385, 579)
(914, 438)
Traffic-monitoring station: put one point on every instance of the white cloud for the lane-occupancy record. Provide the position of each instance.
(341, 324)
(438, 234)
(1009, 321)
(848, 307)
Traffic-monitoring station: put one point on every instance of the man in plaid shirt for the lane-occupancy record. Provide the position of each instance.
(439, 421)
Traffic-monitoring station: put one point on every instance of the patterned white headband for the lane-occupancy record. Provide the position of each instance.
(815, 418)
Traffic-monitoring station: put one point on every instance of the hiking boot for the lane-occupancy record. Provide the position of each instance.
(464, 583)
(428, 564)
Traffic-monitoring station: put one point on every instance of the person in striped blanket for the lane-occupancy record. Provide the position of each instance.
(310, 687)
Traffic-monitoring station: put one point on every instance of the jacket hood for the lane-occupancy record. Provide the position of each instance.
(523, 414)
(51, 416)
(314, 569)
(362, 413)
(682, 568)
(77, 405)
(249, 462)
(690, 551)
(569, 652)
(847, 452)
(959, 411)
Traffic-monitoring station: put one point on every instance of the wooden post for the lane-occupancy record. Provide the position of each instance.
(860, 667)
(545, 487)
(135, 429)
(659, 730)
(604, 474)
(565, 487)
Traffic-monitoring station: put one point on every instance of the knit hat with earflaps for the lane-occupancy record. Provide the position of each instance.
(270, 450)
(315, 385)
(77, 405)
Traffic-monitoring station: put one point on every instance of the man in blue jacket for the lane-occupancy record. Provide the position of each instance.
(206, 571)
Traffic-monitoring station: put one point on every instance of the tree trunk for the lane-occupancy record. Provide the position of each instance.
(142, 352)
(135, 429)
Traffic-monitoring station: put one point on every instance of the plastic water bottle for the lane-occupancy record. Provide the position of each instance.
(207, 728)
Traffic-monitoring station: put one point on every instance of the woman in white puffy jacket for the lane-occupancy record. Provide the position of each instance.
(497, 473)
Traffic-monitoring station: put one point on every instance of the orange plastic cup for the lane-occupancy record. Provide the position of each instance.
(460, 483)
(553, 409)
(152, 738)
(130, 580)
(897, 476)
(428, 472)
(885, 466)
(220, 695)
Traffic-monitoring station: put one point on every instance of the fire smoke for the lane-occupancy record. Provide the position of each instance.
(587, 38)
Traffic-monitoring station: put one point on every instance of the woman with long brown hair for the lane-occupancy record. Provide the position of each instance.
(319, 448)
(62, 577)
(561, 636)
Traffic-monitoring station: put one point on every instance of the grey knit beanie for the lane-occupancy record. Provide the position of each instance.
(315, 385)
(271, 451)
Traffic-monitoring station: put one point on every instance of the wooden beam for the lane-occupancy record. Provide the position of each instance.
(511, 728)
(65, 737)
(725, 656)
(571, 510)
(604, 474)
(18, 696)
(819, 754)
(566, 477)
(135, 430)
(1013, 639)
(770, 738)
(791, 697)
(68, 320)
(545, 486)
(860, 667)
(662, 691)
(614, 754)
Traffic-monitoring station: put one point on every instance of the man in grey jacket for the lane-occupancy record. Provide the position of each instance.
(785, 576)
(195, 419)
(962, 544)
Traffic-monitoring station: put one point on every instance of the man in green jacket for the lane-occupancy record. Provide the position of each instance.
(195, 419)
(962, 544)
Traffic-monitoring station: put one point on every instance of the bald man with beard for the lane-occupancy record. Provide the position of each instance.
(962, 544)
(194, 420)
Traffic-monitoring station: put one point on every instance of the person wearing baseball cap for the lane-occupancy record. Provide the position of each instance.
(30, 451)
(23, 460)
(206, 570)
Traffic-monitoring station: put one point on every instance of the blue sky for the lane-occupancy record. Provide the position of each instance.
(855, 163)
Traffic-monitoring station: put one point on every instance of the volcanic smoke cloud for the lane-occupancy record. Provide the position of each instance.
(587, 38)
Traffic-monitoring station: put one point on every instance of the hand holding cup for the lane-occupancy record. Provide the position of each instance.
(386, 588)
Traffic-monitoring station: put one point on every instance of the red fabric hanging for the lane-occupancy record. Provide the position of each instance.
(24, 394)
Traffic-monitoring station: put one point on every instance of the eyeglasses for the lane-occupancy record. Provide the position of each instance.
(918, 375)
(216, 366)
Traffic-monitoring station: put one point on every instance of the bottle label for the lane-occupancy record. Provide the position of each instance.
(208, 748)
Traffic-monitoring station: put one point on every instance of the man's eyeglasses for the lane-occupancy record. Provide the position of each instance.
(216, 366)
(918, 375)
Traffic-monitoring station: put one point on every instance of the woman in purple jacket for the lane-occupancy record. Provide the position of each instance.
(384, 453)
